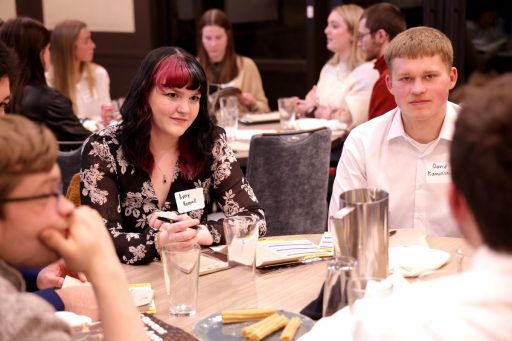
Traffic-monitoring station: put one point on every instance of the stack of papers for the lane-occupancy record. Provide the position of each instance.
(260, 118)
(287, 250)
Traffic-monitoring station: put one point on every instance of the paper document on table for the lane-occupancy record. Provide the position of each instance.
(282, 251)
(208, 264)
(260, 118)
(326, 241)
(142, 294)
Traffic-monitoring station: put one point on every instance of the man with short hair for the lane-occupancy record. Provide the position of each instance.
(47, 282)
(476, 304)
(38, 225)
(378, 25)
(405, 151)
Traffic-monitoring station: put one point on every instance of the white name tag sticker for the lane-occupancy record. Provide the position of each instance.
(189, 200)
(438, 172)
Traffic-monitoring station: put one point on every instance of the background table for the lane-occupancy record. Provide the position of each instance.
(289, 288)
(241, 146)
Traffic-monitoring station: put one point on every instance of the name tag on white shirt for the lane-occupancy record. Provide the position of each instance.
(189, 200)
(438, 172)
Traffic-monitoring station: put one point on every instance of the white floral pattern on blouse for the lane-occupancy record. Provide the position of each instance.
(125, 197)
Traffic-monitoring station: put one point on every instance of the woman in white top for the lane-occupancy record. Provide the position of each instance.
(345, 84)
(72, 73)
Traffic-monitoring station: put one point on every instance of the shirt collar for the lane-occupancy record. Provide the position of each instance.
(397, 128)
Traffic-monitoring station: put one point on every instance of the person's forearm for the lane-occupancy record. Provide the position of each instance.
(119, 315)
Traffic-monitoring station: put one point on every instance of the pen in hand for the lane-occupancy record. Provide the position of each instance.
(171, 221)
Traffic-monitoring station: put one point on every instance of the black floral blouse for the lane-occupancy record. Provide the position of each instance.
(125, 197)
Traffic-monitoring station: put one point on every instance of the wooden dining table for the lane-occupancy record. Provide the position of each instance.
(289, 287)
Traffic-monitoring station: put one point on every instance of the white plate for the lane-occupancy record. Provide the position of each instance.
(412, 261)
(211, 328)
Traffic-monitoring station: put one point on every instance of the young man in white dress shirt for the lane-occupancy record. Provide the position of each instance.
(474, 305)
(405, 151)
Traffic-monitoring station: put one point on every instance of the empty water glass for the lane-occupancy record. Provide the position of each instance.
(287, 111)
(181, 276)
(229, 116)
(339, 271)
(241, 238)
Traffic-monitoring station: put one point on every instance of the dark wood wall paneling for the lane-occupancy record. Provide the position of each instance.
(296, 54)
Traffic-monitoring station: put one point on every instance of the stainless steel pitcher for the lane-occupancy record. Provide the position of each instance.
(360, 230)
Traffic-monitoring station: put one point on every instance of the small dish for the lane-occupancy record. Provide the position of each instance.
(211, 328)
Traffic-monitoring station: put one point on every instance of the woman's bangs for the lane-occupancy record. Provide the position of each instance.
(173, 72)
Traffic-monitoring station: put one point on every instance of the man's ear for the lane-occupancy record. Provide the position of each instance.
(381, 36)
(389, 83)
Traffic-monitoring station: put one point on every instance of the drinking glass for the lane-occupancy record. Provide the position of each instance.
(339, 271)
(229, 116)
(181, 275)
(287, 111)
(241, 238)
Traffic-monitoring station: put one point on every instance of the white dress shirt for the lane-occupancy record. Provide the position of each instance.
(337, 87)
(88, 104)
(379, 154)
(475, 305)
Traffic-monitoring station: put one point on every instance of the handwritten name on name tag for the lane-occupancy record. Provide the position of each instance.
(189, 200)
(438, 172)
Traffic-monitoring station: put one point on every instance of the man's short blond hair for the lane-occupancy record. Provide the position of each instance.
(25, 148)
(419, 42)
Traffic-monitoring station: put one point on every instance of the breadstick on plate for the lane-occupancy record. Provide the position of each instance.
(233, 316)
(248, 330)
(267, 329)
(291, 329)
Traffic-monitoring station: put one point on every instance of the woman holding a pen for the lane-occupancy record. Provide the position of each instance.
(165, 156)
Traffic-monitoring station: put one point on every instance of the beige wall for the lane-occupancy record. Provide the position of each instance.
(7, 9)
(99, 15)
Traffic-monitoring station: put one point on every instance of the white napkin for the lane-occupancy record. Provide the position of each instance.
(74, 282)
(411, 261)
(141, 295)
(74, 320)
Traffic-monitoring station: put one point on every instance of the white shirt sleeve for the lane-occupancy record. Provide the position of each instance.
(351, 170)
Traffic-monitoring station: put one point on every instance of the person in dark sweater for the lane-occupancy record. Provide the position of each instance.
(31, 96)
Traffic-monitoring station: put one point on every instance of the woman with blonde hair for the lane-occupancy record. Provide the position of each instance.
(73, 73)
(224, 67)
(344, 88)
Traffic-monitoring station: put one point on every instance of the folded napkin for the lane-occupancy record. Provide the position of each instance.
(411, 261)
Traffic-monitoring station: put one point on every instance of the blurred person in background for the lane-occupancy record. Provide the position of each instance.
(30, 95)
(344, 88)
(379, 24)
(73, 73)
(224, 67)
